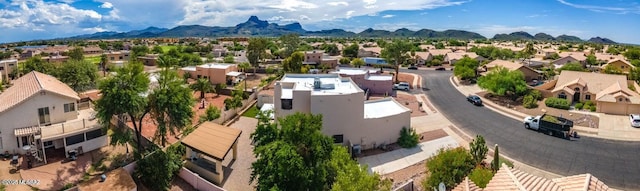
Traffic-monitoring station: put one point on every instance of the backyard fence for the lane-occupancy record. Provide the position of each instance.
(407, 186)
(197, 182)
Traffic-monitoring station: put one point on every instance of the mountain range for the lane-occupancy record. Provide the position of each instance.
(256, 27)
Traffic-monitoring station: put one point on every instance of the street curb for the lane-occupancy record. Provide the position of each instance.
(584, 131)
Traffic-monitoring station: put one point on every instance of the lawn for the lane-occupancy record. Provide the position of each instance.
(251, 112)
(166, 48)
(93, 59)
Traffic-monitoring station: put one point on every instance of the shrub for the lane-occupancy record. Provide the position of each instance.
(478, 149)
(536, 94)
(481, 176)
(592, 108)
(588, 104)
(529, 102)
(578, 106)
(408, 138)
(557, 103)
(448, 166)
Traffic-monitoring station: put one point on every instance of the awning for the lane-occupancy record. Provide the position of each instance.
(212, 139)
(19, 132)
(234, 74)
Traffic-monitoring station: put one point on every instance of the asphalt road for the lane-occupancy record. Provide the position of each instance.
(617, 163)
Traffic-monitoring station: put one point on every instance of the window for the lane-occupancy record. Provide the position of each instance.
(287, 104)
(95, 134)
(587, 97)
(562, 95)
(69, 107)
(1, 68)
(25, 141)
(43, 115)
(48, 144)
(338, 138)
(620, 99)
(79, 138)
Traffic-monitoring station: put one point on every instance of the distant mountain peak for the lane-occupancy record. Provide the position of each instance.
(601, 40)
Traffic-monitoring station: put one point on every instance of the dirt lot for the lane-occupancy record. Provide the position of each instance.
(578, 119)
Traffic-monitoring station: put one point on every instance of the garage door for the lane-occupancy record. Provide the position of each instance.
(633, 108)
(613, 108)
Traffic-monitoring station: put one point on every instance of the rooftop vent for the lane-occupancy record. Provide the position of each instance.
(316, 83)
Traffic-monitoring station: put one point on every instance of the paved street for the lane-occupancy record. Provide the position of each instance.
(614, 162)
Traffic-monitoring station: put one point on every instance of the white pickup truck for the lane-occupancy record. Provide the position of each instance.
(549, 124)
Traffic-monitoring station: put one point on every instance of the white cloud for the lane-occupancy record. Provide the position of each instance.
(396, 26)
(388, 16)
(106, 5)
(67, 1)
(94, 29)
(535, 16)
(350, 13)
(38, 13)
(596, 8)
(337, 3)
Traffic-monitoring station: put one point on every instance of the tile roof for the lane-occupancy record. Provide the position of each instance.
(504, 63)
(460, 55)
(212, 139)
(616, 90)
(618, 60)
(594, 82)
(30, 84)
(512, 179)
(439, 51)
(576, 55)
(423, 55)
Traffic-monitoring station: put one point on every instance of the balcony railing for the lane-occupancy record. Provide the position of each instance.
(68, 127)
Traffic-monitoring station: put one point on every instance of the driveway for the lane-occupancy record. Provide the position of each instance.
(617, 126)
(238, 177)
(614, 162)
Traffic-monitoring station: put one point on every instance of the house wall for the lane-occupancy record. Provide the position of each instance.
(89, 145)
(621, 65)
(386, 130)
(215, 75)
(7, 68)
(340, 113)
(565, 60)
(529, 75)
(26, 114)
(313, 57)
(332, 63)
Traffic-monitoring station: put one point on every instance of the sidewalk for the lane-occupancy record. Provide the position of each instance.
(609, 126)
(398, 159)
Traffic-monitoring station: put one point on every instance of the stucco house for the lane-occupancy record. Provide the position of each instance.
(610, 92)
(423, 57)
(216, 73)
(453, 57)
(40, 117)
(623, 65)
(6, 67)
(436, 52)
(369, 80)
(568, 57)
(149, 59)
(530, 74)
(347, 116)
(319, 58)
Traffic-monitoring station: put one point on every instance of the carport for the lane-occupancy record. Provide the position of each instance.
(207, 147)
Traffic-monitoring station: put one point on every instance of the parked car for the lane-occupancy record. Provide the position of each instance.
(413, 67)
(401, 86)
(635, 120)
(441, 68)
(475, 100)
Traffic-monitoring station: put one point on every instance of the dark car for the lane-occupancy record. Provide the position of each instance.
(441, 68)
(412, 68)
(475, 100)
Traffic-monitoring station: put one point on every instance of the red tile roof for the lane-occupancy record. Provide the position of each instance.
(30, 84)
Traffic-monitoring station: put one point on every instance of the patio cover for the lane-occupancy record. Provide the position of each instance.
(19, 132)
(234, 74)
(212, 139)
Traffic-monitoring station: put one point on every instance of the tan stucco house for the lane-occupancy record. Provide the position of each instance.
(610, 92)
(40, 117)
(216, 73)
(529, 73)
(369, 80)
(347, 116)
(623, 65)
(453, 57)
(568, 57)
(6, 67)
(319, 58)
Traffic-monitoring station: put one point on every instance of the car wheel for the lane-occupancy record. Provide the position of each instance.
(526, 126)
(550, 133)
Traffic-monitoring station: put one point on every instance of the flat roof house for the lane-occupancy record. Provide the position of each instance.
(369, 80)
(318, 57)
(117, 56)
(40, 117)
(346, 115)
(6, 67)
(216, 73)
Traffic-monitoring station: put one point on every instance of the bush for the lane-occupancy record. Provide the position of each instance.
(592, 108)
(588, 104)
(537, 95)
(529, 102)
(481, 176)
(408, 138)
(557, 103)
(448, 166)
(578, 106)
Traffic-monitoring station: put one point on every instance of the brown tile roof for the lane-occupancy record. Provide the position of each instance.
(576, 55)
(594, 82)
(460, 55)
(30, 84)
(507, 64)
(616, 90)
(423, 55)
(618, 60)
(439, 51)
(467, 185)
(117, 180)
(212, 139)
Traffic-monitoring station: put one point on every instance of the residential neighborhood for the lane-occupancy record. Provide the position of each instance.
(267, 105)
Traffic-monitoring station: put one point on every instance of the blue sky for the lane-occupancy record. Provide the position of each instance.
(618, 20)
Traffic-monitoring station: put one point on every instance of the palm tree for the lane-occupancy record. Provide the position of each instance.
(244, 66)
(103, 64)
(203, 86)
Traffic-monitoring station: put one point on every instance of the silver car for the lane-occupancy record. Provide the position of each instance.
(635, 120)
(401, 86)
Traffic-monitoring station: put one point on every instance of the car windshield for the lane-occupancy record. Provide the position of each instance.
(636, 121)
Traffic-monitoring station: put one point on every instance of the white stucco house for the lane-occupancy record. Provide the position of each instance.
(347, 116)
(39, 116)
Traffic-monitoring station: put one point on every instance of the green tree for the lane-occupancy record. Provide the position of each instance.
(501, 81)
(104, 62)
(78, 74)
(37, 64)
(171, 105)
(290, 43)
(244, 66)
(408, 138)
(203, 86)
(634, 74)
(344, 60)
(123, 94)
(439, 45)
(159, 177)
(351, 51)
(466, 68)
(395, 52)
(495, 164)
(478, 149)
(235, 101)
(611, 69)
(331, 49)
(529, 51)
(228, 59)
(210, 114)
(632, 54)
(138, 51)
(350, 176)
(572, 66)
(256, 51)
(157, 50)
(218, 88)
(481, 176)
(293, 63)
(76, 54)
(357, 62)
(591, 60)
(613, 50)
(449, 167)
